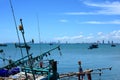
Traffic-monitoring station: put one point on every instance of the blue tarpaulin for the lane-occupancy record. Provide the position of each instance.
(6, 72)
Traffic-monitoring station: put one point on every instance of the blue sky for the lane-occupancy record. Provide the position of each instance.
(62, 20)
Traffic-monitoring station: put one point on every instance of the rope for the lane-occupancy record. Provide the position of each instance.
(15, 25)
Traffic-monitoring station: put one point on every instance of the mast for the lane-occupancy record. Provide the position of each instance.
(27, 48)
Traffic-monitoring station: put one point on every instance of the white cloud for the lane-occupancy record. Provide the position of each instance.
(106, 4)
(79, 13)
(93, 22)
(115, 34)
(111, 36)
(115, 22)
(106, 8)
(100, 22)
(62, 38)
(69, 38)
(100, 33)
(77, 37)
(63, 20)
(89, 37)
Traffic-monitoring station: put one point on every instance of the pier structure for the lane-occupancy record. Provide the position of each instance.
(81, 74)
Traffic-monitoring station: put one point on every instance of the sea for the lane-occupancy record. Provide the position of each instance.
(68, 56)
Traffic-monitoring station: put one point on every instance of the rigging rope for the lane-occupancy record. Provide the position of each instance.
(15, 25)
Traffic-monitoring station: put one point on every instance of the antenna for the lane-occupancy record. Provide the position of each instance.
(38, 28)
(39, 31)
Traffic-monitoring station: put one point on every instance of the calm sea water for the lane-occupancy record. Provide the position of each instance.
(102, 57)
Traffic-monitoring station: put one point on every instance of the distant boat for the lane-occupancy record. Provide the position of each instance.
(50, 44)
(113, 45)
(3, 44)
(22, 46)
(1, 50)
(93, 46)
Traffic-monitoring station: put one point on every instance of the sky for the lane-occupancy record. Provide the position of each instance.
(73, 21)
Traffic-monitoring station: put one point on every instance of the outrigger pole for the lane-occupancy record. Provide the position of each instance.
(27, 48)
(14, 63)
(15, 25)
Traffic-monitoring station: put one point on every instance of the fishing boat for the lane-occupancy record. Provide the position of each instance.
(3, 44)
(1, 50)
(92, 46)
(113, 45)
(26, 66)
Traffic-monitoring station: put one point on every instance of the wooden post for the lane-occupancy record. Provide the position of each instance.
(80, 74)
(54, 66)
(89, 76)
